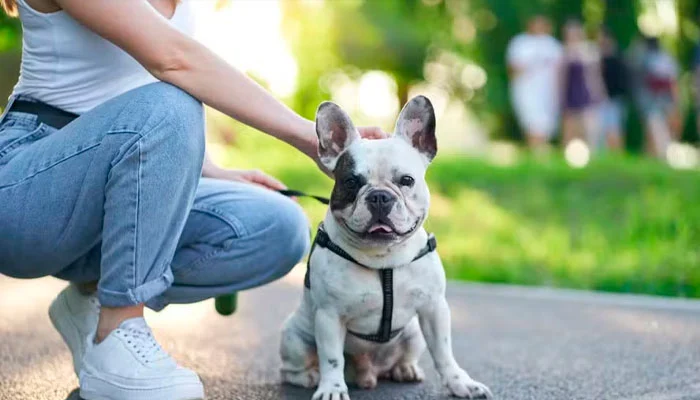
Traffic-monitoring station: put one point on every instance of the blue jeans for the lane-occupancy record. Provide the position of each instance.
(117, 197)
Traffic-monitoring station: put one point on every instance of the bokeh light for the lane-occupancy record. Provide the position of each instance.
(577, 153)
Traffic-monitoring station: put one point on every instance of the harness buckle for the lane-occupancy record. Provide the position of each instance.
(322, 238)
(432, 243)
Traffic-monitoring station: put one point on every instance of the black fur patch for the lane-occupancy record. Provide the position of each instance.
(344, 193)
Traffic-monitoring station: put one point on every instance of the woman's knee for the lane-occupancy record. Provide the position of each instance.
(174, 119)
(250, 236)
(281, 235)
(291, 229)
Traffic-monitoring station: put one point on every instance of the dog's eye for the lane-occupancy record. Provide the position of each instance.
(350, 182)
(407, 180)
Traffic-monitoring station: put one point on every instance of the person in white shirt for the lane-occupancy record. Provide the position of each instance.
(533, 59)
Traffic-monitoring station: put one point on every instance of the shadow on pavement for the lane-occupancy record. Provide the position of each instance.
(74, 395)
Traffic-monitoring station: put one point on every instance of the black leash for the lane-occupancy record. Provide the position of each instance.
(297, 193)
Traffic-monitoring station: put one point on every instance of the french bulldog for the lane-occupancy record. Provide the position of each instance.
(377, 209)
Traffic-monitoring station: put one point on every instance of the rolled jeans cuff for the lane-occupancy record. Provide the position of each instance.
(138, 295)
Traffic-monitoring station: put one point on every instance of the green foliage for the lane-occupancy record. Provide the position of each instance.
(10, 38)
(621, 224)
(618, 225)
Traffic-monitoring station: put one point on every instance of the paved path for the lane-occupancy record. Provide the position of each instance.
(524, 343)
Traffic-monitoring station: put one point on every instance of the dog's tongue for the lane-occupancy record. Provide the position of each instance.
(380, 228)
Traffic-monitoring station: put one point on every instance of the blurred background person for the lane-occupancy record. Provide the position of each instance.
(695, 70)
(581, 86)
(634, 60)
(533, 58)
(659, 97)
(615, 77)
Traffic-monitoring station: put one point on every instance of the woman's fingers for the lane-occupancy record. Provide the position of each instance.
(372, 132)
(261, 178)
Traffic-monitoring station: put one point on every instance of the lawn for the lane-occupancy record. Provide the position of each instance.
(621, 224)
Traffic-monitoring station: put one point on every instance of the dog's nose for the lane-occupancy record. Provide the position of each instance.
(381, 201)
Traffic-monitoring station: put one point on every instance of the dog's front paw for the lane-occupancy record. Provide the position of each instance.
(462, 385)
(331, 391)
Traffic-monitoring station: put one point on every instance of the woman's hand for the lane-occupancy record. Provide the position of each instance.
(254, 177)
(372, 132)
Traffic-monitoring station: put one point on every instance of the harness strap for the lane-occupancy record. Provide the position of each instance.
(386, 277)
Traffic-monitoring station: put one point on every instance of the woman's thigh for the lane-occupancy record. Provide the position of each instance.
(237, 236)
(53, 182)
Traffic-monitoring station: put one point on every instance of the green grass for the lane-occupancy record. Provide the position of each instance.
(620, 224)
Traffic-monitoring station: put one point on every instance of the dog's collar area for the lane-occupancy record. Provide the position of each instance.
(386, 277)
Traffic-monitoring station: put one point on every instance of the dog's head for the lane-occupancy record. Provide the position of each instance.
(380, 194)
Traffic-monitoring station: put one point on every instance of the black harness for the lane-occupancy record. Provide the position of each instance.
(386, 276)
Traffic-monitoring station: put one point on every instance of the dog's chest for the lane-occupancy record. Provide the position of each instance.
(356, 292)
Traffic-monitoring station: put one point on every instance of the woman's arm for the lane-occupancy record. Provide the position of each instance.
(173, 57)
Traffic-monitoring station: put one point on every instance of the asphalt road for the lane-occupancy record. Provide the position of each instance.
(524, 343)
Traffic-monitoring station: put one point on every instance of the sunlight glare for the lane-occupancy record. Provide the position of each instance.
(248, 35)
(377, 95)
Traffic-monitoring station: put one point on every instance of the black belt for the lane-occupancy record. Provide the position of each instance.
(386, 277)
(49, 115)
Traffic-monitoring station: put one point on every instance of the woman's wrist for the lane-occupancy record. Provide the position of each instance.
(305, 139)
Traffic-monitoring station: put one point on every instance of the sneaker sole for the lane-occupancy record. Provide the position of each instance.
(94, 388)
(59, 314)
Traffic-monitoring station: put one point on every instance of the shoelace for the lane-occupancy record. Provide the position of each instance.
(145, 345)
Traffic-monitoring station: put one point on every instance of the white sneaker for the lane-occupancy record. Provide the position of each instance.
(130, 365)
(75, 317)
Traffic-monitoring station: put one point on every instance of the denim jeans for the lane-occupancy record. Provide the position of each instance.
(117, 197)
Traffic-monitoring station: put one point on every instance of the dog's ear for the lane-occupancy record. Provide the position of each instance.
(335, 133)
(416, 124)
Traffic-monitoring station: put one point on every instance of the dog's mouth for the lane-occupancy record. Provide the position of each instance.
(380, 230)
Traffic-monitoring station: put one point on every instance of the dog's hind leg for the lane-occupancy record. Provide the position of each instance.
(406, 368)
(299, 357)
(366, 374)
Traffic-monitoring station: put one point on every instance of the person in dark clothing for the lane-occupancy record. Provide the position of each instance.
(696, 86)
(615, 79)
(581, 86)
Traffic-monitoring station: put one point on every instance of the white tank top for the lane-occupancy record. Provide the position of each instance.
(70, 67)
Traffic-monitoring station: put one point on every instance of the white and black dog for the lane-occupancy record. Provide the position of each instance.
(375, 287)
